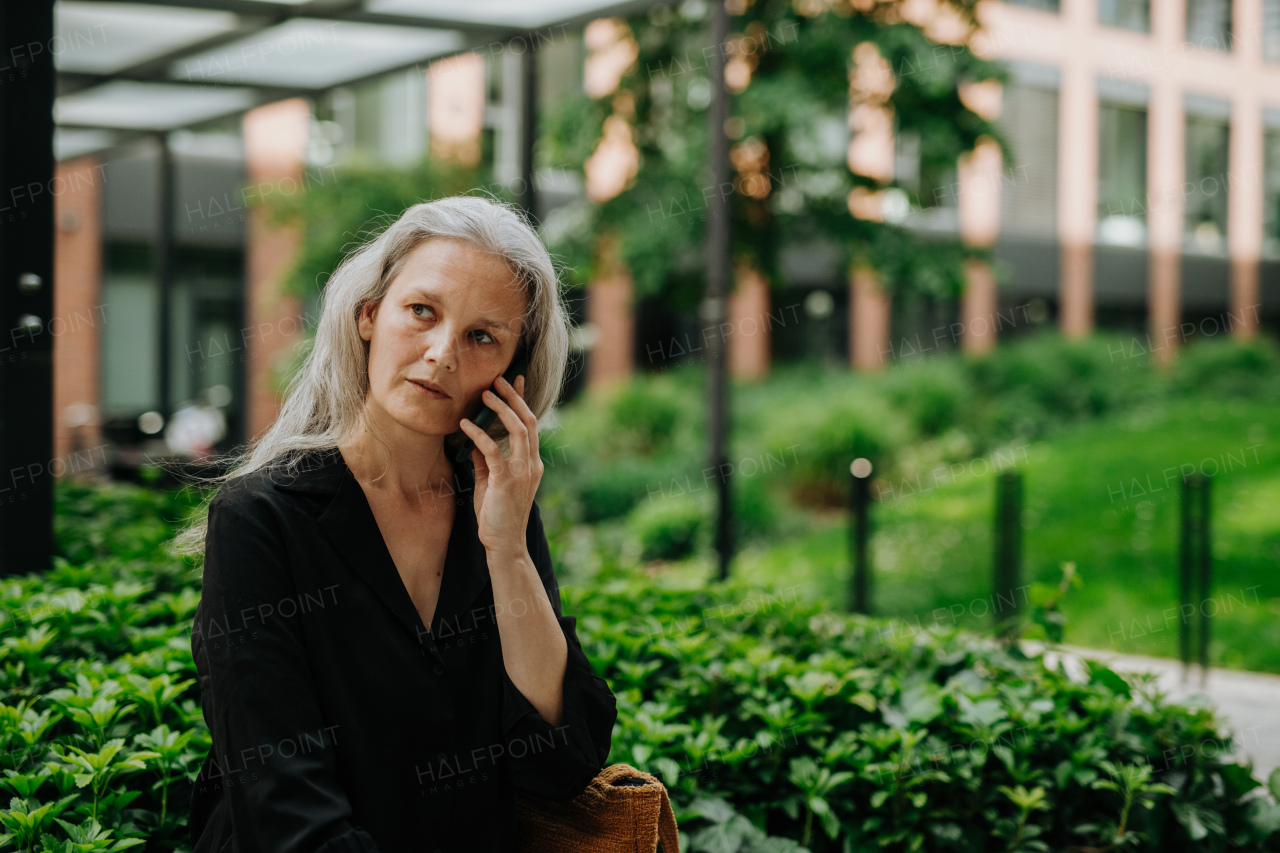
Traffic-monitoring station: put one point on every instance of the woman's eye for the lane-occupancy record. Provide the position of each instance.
(417, 305)
(490, 338)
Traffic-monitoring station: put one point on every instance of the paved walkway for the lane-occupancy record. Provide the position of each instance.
(1249, 702)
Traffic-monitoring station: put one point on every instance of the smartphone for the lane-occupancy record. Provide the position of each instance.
(519, 365)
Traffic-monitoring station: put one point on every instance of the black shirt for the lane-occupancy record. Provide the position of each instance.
(339, 722)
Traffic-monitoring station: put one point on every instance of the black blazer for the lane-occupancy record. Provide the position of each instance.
(339, 722)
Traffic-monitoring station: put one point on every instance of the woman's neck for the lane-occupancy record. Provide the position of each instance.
(416, 470)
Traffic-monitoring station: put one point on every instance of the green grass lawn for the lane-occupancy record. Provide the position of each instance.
(1106, 496)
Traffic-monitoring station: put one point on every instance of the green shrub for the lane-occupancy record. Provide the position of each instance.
(755, 513)
(1030, 384)
(775, 725)
(623, 444)
(1028, 388)
(821, 440)
(669, 527)
(104, 520)
(1224, 367)
(611, 491)
(935, 395)
(848, 733)
(643, 417)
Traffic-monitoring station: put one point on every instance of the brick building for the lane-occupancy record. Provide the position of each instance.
(1144, 194)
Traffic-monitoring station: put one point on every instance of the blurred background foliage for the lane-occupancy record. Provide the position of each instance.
(788, 131)
(1093, 429)
(789, 136)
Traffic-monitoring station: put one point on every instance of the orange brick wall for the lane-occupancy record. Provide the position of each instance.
(275, 139)
(77, 313)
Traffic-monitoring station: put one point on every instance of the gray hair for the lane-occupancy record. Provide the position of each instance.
(325, 399)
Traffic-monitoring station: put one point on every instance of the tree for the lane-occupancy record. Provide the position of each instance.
(789, 66)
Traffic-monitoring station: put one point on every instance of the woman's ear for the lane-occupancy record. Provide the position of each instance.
(364, 319)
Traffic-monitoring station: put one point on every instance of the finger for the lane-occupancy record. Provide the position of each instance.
(514, 397)
(535, 452)
(521, 408)
(515, 426)
(484, 442)
(481, 466)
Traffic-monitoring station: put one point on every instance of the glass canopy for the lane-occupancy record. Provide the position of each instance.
(159, 65)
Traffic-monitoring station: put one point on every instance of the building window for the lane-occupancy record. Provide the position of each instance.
(1122, 174)
(1271, 194)
(131, 320)
(931, 184)
(1047, 5)
(1129, 14)
(1271, 30)
(1209, 24)
(1206, 178)
(207, 341)
(383, 119)
(1028, 187)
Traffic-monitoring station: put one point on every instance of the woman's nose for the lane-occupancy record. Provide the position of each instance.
(440, 350)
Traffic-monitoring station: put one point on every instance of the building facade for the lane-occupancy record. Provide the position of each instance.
(1142, 193)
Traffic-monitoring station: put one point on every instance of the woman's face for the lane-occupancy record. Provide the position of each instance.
(451, 319)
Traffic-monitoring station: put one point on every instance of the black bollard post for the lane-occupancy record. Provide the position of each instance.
(1008, 548)
(1185, 557)
(1206, 577)
(859, 510)
(1195, 572)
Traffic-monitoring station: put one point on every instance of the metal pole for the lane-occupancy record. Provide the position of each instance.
(1195, 573)
(1008, 547)
(26, 288)
(1206, 576)
(164, 273)
(859, 507)
(1185, 557)
(528, 127)
(714, 306)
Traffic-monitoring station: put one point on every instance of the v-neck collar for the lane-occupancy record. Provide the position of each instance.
(349, 524)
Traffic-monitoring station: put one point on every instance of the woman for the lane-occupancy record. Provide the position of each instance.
(381, 651)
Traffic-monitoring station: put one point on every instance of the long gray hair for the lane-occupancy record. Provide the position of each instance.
(325, 400)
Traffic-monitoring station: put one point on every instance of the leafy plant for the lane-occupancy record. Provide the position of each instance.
(25, 820)
(98, 769)
(791, 182)
(766, 718)
(1131, 782)
(816, 784)
(668, 528)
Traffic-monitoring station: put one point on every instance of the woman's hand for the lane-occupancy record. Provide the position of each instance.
(505, 487)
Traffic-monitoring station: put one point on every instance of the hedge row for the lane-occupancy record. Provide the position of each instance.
(638, 452)
(776, 726)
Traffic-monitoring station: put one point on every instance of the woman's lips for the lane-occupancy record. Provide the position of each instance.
(429, 393)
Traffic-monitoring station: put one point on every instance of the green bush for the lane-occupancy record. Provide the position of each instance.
(100, 521)
(643, 417)
(937, 396)
(668, 528)
(755, 513)
(810, 422)
(611, 491)
(649, 417)
(1031, 386)
(101, 732)
(775, 725)
(625, 445)
(842, 732)
(1224, 367)
(822, 439)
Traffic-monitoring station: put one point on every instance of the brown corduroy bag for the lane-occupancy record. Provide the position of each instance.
(622, 810)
